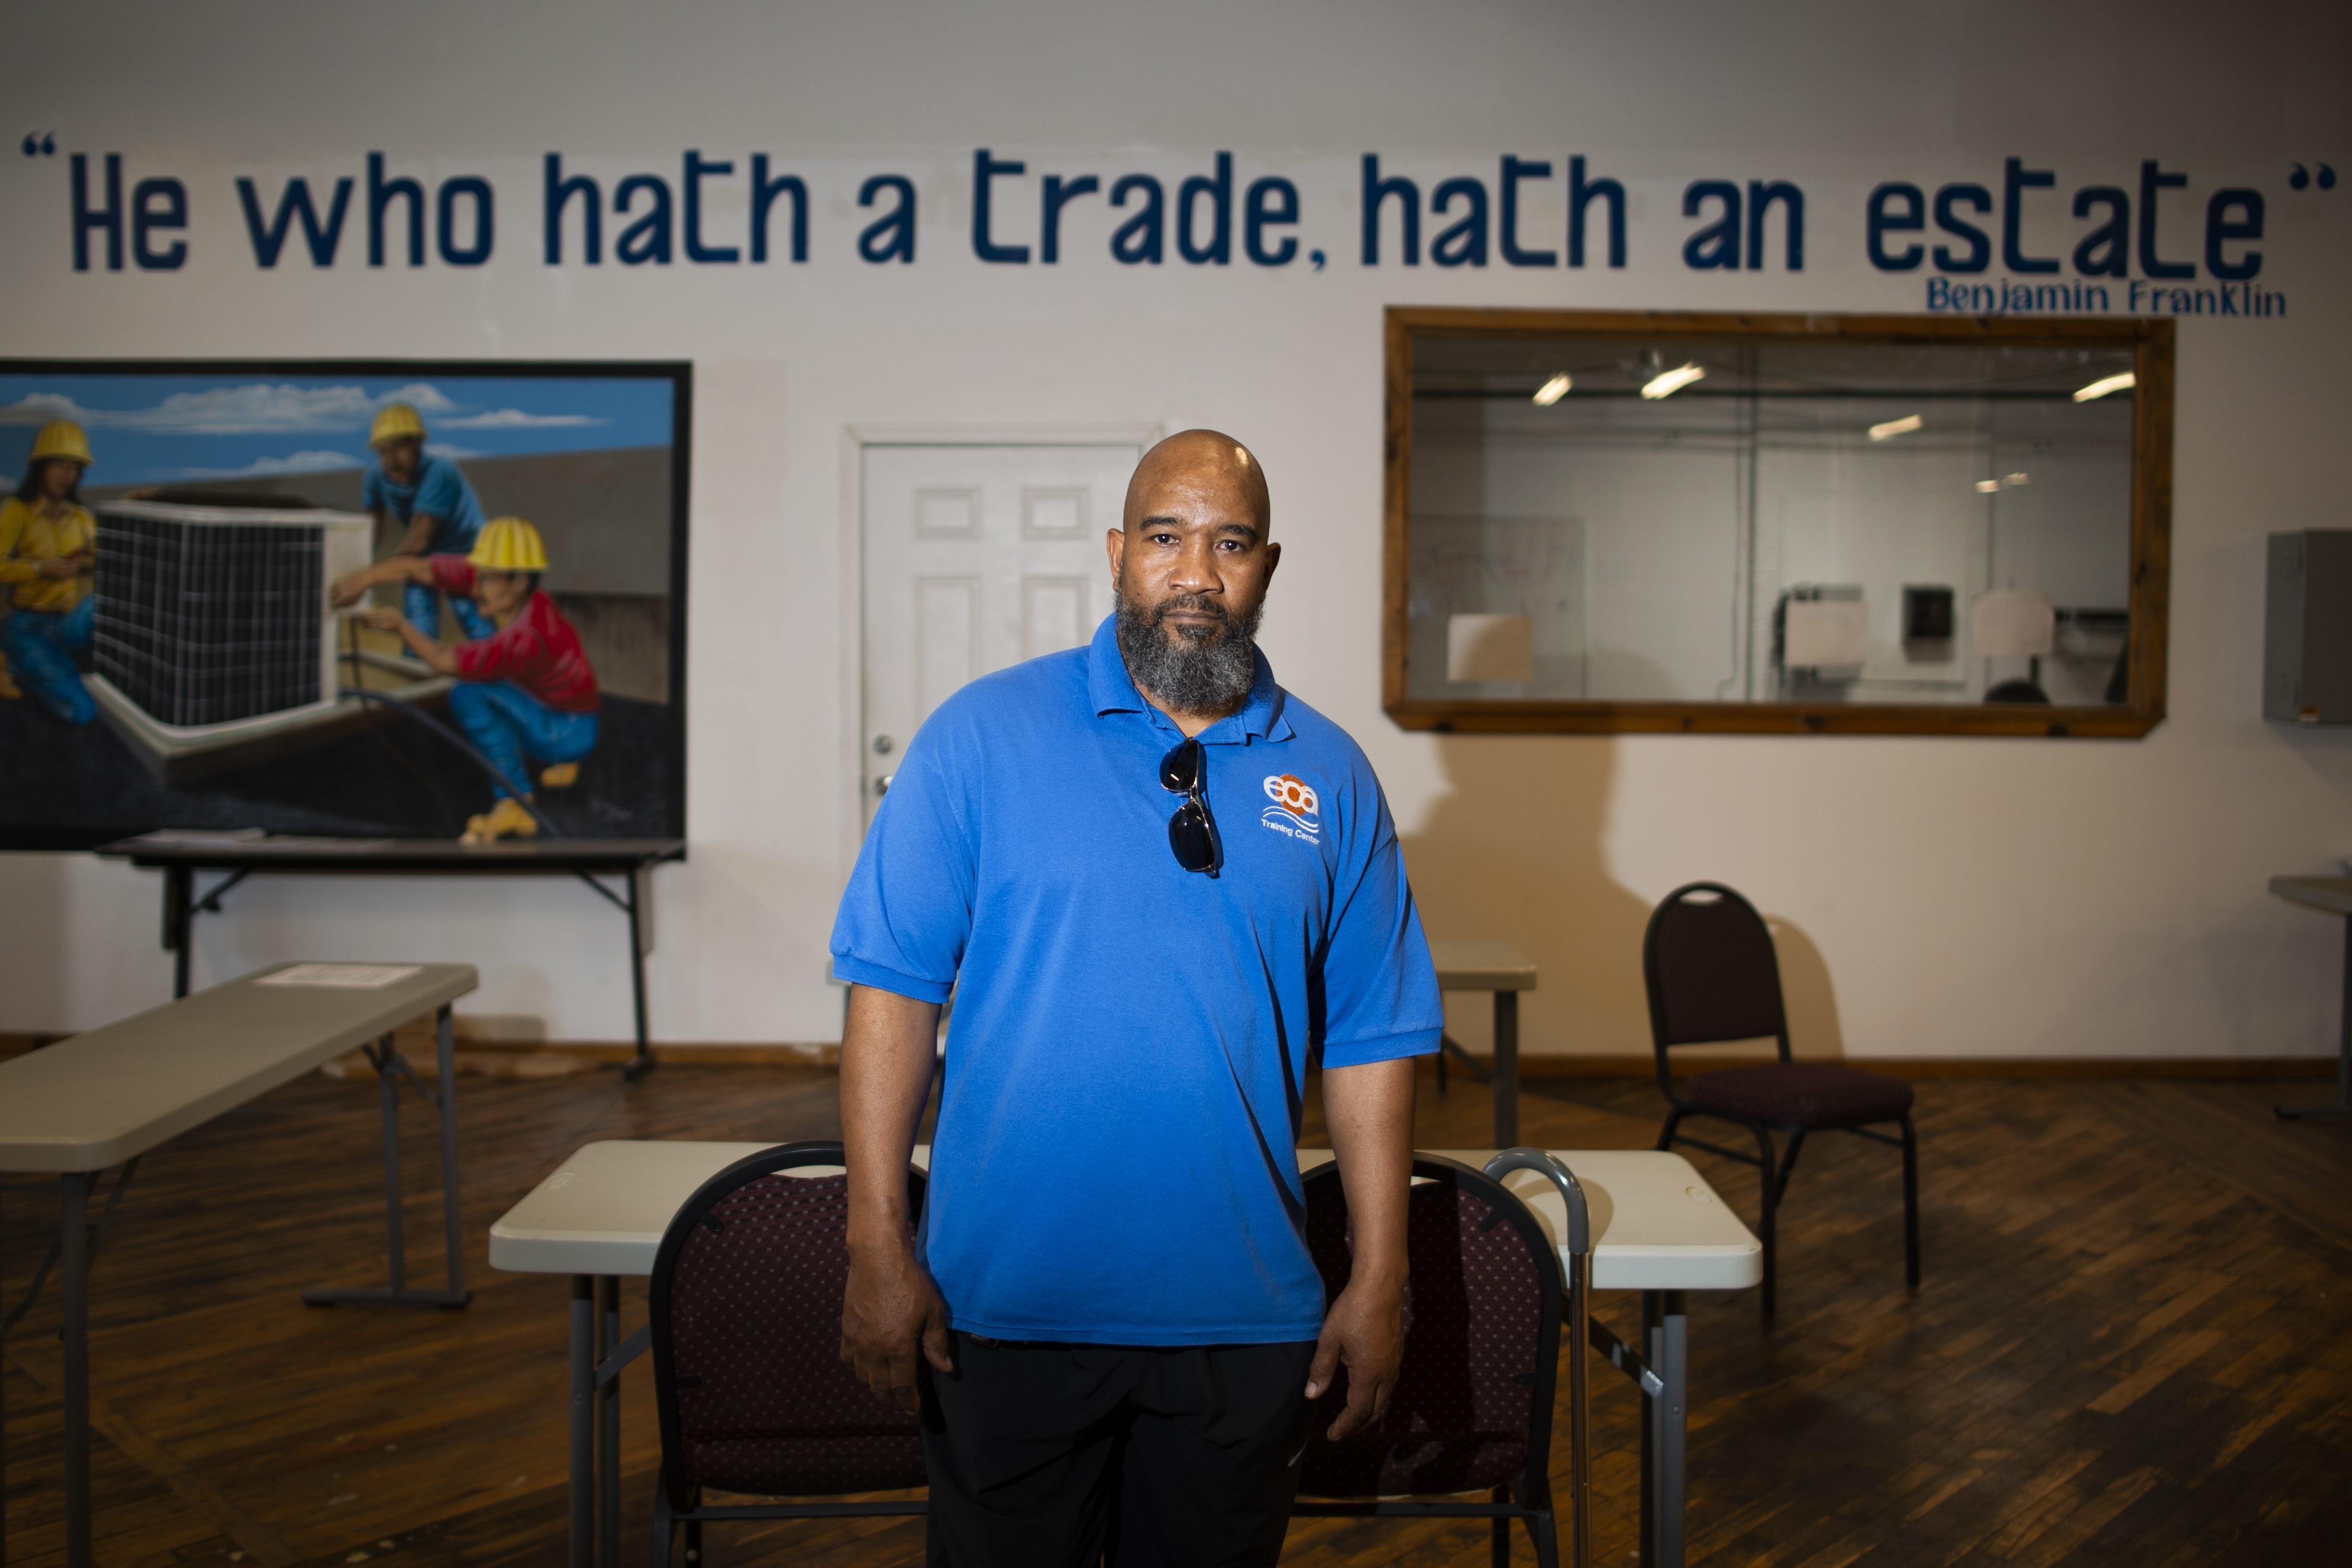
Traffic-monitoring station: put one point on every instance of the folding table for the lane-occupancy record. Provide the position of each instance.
(1497, 967)
(631, 860)
(1657, 1227)
(103, 1099)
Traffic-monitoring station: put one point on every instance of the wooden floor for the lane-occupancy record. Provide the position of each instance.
(2134, 1344)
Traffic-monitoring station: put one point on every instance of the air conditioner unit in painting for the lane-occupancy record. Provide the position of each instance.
(211, 622)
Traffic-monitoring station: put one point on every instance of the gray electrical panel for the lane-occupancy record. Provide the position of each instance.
(2307, 634)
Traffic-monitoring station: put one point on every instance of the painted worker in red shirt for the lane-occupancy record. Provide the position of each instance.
(524, 691)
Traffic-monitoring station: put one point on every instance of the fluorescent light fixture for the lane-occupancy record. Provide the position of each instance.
(2013, 480)
(1552, 390)
(1668, 382)
(2101, 387)
(1894, 427)
(1987, 487)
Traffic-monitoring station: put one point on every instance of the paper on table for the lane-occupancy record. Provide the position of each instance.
(2009, 623)
(341, 976)
(1490, 647)
(1827, 632)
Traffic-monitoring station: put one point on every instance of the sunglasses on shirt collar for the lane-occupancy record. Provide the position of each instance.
(1192, 831)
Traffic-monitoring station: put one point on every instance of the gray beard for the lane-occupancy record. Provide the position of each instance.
(1206, 669)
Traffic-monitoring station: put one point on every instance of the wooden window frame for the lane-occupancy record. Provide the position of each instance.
(2151, 342)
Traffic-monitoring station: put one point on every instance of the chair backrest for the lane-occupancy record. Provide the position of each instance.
(1711, 972)
(746, 1318)
(1472, 1405)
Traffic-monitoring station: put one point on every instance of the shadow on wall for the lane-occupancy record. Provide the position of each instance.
(1513, 854)
(34, 932)
(1807, 993)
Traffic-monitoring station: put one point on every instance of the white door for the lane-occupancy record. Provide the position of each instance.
(976, 558)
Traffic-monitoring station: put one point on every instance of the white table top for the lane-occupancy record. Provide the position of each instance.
(1656, 1225)
(603, 1211)
(1476, 965)
(103, 1097)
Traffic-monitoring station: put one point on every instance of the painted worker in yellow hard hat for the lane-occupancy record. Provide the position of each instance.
(49, 544)
(525, 692)
(431, 504)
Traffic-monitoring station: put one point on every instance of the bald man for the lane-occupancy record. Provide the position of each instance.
(1161, 888)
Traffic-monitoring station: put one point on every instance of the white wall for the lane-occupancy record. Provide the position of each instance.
(1940, 897)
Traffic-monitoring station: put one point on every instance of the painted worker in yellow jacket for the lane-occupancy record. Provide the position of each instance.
(48, 550)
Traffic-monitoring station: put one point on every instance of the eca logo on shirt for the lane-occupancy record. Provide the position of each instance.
(1296, 812)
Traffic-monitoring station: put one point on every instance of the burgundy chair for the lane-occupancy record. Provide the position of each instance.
(1713, 975)
(1472, 1410)
(748, 1377)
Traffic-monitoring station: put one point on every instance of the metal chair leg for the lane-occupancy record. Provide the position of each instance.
(1545, 1532)
(693, 1543)
(1910, 1202)
(665, 1523)
(1789, 1164)
(1502, 1532)
(1666, 1133)
(1580, 1419)
(1765, 1229)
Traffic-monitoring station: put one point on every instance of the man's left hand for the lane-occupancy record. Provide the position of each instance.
(1365, 1329)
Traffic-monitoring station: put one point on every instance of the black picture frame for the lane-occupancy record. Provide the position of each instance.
(18, 834)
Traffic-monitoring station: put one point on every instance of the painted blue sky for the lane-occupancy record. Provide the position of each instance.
(146, 429)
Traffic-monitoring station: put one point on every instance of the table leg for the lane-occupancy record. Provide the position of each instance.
(2343, 1106)
(179, 891)
(639, 908)
(453, 1218)
(1580, 1411)
(1665, 1419)
(396, 1228)
(583, 1441)
(74, 1242)
(1507, 1070)
(608, 1419)
(641, 942)
(389, 1070)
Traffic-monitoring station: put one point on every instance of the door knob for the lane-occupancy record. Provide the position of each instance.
(882, 744)
(882, 785)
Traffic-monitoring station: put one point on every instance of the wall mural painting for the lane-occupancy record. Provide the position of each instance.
(379, 599)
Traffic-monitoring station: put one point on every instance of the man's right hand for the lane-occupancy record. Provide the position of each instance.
(890, 1311)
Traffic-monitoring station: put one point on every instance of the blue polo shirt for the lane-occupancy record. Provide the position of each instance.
(1113, 1162)
(440, 491)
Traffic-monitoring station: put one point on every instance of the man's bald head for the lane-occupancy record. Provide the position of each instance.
(1190, 564)
(1196, 461)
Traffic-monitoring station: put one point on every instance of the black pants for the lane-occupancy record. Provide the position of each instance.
(1069, 1456)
